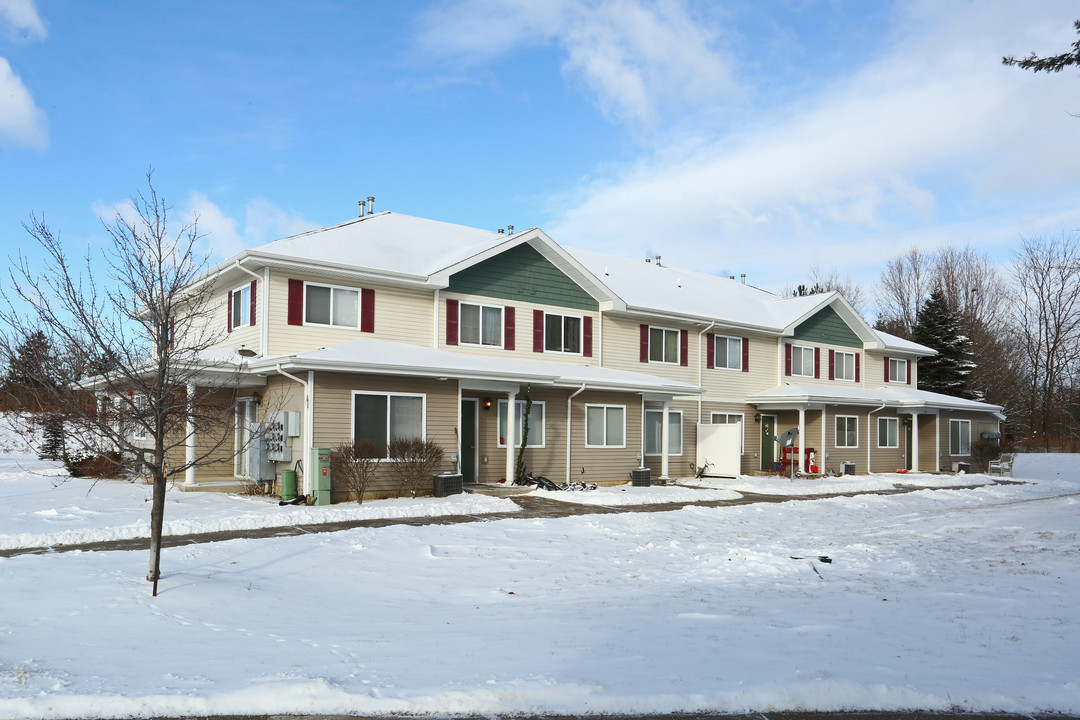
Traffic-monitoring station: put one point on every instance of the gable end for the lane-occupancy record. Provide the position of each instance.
(826, 327)
(522, 274)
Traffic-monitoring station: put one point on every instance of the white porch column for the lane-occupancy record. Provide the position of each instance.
(799, 460)
(914, 430)
(937, 442)
(665, 437)
(510, 437)
(189, 441)
(824, 451)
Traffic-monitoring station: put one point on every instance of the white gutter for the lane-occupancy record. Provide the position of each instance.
(868, 414)
(569, 417)
(699, 371)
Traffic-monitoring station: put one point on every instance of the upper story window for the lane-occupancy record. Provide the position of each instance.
(331, 305)
(663, 345)
(845, 365)
(240, 307)
(898, 370)
(802, 361)
(562, 333)
(480, 324)
(728, 352)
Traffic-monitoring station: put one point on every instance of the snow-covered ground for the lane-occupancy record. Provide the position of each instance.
(936, 599)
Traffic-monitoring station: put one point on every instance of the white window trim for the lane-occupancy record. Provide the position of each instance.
(359, 306)
(388, 395)
(960, 423)
(501, 441)
(716, 345)
(586, 425)
(836, 439)
(502, 325)
(245, 307)
(682, 431)
(799, 349)
(581, 333)
(889, 421)
(836, 365)
(678, 345)
(902, 375)
(742, 423)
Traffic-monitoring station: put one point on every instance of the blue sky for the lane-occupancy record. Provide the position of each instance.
(763, 137)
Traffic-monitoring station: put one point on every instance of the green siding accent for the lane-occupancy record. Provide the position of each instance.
(522, 273)
(825, 327)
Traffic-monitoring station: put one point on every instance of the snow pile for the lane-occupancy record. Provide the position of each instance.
(621, 495)
(828, 485)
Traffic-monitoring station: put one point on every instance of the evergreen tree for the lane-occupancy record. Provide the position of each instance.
(939, 328)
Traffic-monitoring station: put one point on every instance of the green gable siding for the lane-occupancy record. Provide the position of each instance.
(522, 273)
(827, 328)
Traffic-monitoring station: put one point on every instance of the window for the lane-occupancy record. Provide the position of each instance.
(897, 370)
(802, 361)
(845, 365)
(139, 430)
(663, 345)
(959, 437)
(730, 419)
(240, 312)
(605, 426)
(536, 423)
(654, 432)
(847, 431)
(385, 417)
(888, 432)
(480, 324)
(562, 333)
(330, 305)
(728, 352)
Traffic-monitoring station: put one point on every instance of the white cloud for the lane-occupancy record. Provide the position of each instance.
(641, 60)
(21, 18)
(224, 236)
(21, 120)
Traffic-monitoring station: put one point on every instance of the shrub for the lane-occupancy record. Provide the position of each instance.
(354, 464)
(414, 462)
(101, 465)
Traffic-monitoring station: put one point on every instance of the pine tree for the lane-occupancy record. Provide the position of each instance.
(939, 328)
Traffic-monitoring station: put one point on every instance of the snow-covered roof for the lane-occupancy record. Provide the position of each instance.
(893, 396)
(892, 342)
(368, 355)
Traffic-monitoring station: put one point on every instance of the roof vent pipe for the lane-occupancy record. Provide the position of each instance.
(648, 260)
(744, 278)
(501, 231)
(509, 229)
(362, 204)
(371, 204)
(657, 261)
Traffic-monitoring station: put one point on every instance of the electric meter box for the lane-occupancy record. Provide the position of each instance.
(320, 480)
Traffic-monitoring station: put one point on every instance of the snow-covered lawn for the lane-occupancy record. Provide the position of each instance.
(936, 599)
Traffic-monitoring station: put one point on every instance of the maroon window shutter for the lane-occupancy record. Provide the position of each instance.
(586, 339)
(817, 363)
(643, 351)
(509, 326)
(228, 310)
(296, 302)
(787, 359)
(710, 351)
(253, 301)
(684, 348)
(908, 372)
(367, 310)
(746, 354)
(451, 322)
(857, 363)
(538, 331)
(832, 364)
(886, 368)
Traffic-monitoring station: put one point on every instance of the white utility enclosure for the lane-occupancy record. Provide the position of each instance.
(720, 445)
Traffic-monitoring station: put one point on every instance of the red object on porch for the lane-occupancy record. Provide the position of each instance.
(785, 459)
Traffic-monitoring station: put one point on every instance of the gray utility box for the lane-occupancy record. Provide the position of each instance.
(848, 468)
(641, 477)
(448, 483)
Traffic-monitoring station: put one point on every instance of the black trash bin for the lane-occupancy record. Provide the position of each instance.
(448, 483)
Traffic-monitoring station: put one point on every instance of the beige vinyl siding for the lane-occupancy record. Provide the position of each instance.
(888, 459)
(836, 455)
(549, 461)
(523, 331)
(980, 422)
(864, 364)
(214, 447)
(622, 348)
(875, 369)
(724, 385)
(610, 466)
(684, 464)
(401, 315)
(927, 439)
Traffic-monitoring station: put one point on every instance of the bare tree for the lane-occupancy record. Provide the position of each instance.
(355, 465)
(822, 282)
(905, 284)
(136, 312)
(413, 463)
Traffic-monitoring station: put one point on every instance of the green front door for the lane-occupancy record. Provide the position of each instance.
(468, 440)
(768, 445)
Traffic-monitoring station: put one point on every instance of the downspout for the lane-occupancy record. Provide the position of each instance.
(569, 434)
(307, 438)
(868, 436)
(699, 375)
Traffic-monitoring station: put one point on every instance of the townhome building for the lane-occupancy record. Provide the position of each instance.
(392, 326)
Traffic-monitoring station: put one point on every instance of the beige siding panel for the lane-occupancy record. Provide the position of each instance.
(609, 466)
(685, 463)
(401, 315)
(724, 385)
(888, 459)
(928, 435)
(875, 365)
(549, 461)
(980, 422)
(622, 349)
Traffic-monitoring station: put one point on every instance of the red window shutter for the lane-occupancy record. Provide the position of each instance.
(253, 301)
(787, 359)
(832, 364)
(296, 302)
(817, 363)
(908, 372)
(684, 348)
(586, 339)
(710, 351)
(886, 368)
(509, 323)
(538, 331)
(367, 310)
(643, 350)
(857, 364)
(228, 310)
(746, 354)
(451, 322)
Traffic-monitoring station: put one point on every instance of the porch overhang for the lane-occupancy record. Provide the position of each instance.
(905, 400)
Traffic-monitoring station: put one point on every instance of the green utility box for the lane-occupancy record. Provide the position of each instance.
(288, 484)
(320, 476)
